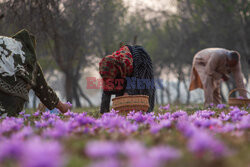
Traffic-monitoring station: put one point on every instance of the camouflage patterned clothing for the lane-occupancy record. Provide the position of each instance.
(20, 72)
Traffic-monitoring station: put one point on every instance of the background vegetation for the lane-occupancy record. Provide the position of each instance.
(73, 34)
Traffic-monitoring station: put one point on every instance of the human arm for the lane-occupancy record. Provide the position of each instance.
(46, 94)
(237, 74)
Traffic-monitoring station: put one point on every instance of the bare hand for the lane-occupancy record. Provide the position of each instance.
(63, 107)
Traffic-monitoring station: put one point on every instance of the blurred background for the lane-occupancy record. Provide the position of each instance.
(73, 35)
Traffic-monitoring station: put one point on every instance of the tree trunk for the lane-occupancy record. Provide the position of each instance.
(162, 95)
(34, 101)
(69, 86)
(84, 96)
(178, 90)
(156, 97)
(168, 91)
(187, 90)
(76, 96)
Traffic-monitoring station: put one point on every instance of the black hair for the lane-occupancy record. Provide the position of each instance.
(142, 69)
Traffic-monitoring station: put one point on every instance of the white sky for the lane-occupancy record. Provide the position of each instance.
(154, 4)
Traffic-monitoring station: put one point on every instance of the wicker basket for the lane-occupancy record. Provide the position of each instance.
(124, 104)
(236, 101)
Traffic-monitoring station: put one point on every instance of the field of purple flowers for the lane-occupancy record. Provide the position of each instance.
(170, 136)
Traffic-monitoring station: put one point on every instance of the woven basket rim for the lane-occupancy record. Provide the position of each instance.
(129, 96)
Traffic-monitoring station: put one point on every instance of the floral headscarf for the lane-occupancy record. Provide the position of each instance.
(119, 63)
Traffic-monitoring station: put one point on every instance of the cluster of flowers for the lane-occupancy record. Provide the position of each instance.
(34, 140)
(110, 154)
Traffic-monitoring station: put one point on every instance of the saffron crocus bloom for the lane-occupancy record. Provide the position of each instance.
(36, 114)
(59, 130)
(109, 162)
(138, 117)
(70, 105)
(154, 128)
(178, 114)
(11, 124)
(11, 149)
(101, 149)
(39, 153)
(167, 107)
(164, 153)
(132, 149)
(221, 106)
(244, 123)
(228, 127)
(202, 142)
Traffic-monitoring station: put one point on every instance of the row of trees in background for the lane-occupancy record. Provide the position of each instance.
(71, 33)
(196, 25)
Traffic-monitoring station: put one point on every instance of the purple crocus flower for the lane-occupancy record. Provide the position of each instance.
(101, 149)
(143, 161)
(109, 162)
(178, 114)
(236, 114)
(70, 114)
(11, 124)
(36, 114)
(221, 106)
(201, 142)
(204, 114)
(167, 107)
(132, 149)
(155, 128)
(26, 116)
(164, 153)
(41, 124)
(244, 123)
(40, 153)
(138, 117)
(70, 105)
(59, 130)
(22, 113)
(46, 115)
(166, 115)
(83, 119)
(224, 117)
(25, 132)
(228, 127)
(11, 149)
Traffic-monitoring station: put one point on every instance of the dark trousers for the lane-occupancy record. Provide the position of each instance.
(11, 105)
(142, 69)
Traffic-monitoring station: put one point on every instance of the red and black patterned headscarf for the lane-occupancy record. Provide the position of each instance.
(120, 63)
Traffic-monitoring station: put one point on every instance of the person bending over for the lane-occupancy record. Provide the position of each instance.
(210, 67)
(20, 72)
(128, 64)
